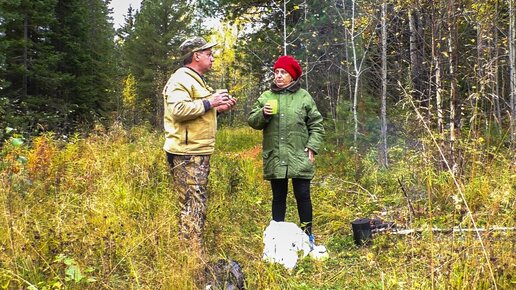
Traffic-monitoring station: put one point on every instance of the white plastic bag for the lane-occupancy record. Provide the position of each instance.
(283, 241)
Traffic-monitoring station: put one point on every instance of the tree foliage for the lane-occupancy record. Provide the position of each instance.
(150, 51)
(449, 60)
(60, 64)
(57, 67)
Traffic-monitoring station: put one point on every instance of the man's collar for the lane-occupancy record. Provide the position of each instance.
(191, 68)
(201, 77)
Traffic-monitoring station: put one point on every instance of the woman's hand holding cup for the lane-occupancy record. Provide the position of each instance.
(270, 108)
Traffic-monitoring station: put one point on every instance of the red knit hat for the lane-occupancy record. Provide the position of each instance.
(290, 64)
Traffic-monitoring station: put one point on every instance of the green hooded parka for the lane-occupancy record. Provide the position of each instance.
(296, 126)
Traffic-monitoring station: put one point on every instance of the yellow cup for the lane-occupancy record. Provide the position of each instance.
(274, 106)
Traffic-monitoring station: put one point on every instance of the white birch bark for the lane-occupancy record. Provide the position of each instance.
(357, 64)
(512, 67)
(385, 159)
(452, 36)
(357, 74)
(285, 27)
(436, 59)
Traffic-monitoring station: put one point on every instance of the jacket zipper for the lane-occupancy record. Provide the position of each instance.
(186, 136)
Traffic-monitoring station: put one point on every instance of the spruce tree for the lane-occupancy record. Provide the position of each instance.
(56, 64)
(28, 63)
(84, 39)
(151, 51)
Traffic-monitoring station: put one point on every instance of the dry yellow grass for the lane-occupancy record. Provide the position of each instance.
(100, 213)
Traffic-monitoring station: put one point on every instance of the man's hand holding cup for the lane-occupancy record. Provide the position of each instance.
(226, 100)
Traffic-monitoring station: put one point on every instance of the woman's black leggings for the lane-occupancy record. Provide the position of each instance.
(302, 194)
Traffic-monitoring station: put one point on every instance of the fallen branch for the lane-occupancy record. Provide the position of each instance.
(452, 230)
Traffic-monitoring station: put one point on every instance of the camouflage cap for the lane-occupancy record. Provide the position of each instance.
(194, 44)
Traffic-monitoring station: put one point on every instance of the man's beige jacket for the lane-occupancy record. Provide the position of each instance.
(189, 128)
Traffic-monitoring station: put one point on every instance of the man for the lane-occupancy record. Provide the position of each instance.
(190, 120)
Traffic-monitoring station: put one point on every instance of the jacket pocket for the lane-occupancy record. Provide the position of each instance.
(269, 162)
(186, 136)
(305, 166)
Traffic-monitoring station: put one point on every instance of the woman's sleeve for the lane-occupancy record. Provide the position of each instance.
(314, 123)
(256, 119)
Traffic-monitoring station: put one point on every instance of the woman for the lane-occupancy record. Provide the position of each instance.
(292, 134)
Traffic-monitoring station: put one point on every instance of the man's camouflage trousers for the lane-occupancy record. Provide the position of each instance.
(190, 174)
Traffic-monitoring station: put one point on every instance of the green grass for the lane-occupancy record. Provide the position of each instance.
(100, 213)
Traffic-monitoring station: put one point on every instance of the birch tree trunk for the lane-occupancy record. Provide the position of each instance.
(285, 27)
(357, 74)
(415, 54)
(497, 90)
(452, 59)
(481, 77)
(494, 70)
(385, 159)
(436, 62)
(348, 65)
(346, 70)
(512, 68)
(346, 54)
(356, 63)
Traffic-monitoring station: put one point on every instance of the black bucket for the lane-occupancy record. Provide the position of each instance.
(362, 231)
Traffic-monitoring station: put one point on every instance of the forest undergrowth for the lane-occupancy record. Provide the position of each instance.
(99, 212)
